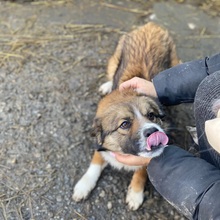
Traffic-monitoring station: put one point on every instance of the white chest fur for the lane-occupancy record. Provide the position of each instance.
(113, 162)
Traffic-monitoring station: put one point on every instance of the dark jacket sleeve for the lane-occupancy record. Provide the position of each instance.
(179, 83)
(189, 183)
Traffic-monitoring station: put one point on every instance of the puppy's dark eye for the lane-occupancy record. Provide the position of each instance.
(151, 116)
(125, 125)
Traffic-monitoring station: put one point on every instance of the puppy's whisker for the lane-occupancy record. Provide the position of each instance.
(174, 129)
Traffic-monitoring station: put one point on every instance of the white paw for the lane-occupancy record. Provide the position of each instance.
(87, 183)
(106, 88)
(134, 199)
(83, 188)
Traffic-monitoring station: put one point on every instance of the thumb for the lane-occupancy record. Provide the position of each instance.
(131, 160)
(218, 114)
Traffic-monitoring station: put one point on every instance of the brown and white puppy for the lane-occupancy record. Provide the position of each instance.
(129, 122)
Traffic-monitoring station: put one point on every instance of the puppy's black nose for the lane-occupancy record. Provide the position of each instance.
(149, 131)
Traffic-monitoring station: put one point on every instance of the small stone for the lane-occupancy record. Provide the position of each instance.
(102, 194)
(191, 26)
(59, 198)
(152, 16)
(48, 167)
(12, 160)
(2, 106)
(109, 205)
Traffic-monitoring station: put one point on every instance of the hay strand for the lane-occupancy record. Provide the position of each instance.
(136, 11)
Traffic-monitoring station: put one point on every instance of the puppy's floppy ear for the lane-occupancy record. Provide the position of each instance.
(96, 131)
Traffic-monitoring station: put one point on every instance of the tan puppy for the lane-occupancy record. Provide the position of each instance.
(128, 122)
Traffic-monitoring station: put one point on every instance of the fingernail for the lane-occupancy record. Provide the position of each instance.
(112, 154)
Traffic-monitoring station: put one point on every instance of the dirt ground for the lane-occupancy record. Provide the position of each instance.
(53, 56)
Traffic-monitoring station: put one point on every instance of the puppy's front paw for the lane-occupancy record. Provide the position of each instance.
(82, 188)
(134, 199)
(105, 88)
(86, 184)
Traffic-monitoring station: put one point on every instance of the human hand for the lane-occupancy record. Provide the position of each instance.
(140, 85)
(212, 130)
(131, 160)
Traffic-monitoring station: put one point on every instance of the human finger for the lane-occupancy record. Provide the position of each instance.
(131, 83)
(218, 114)
(131, 160)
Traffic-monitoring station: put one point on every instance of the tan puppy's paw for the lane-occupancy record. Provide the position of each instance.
(134, 199)
(106, 88)
(82, 189)
(87, 183)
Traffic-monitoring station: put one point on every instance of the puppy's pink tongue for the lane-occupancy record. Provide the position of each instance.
(156, 139)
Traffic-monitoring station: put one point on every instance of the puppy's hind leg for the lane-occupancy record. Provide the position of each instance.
(88, 181)
(135, 194)
(112, 67)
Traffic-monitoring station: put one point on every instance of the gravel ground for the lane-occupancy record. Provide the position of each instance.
(53, 56)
